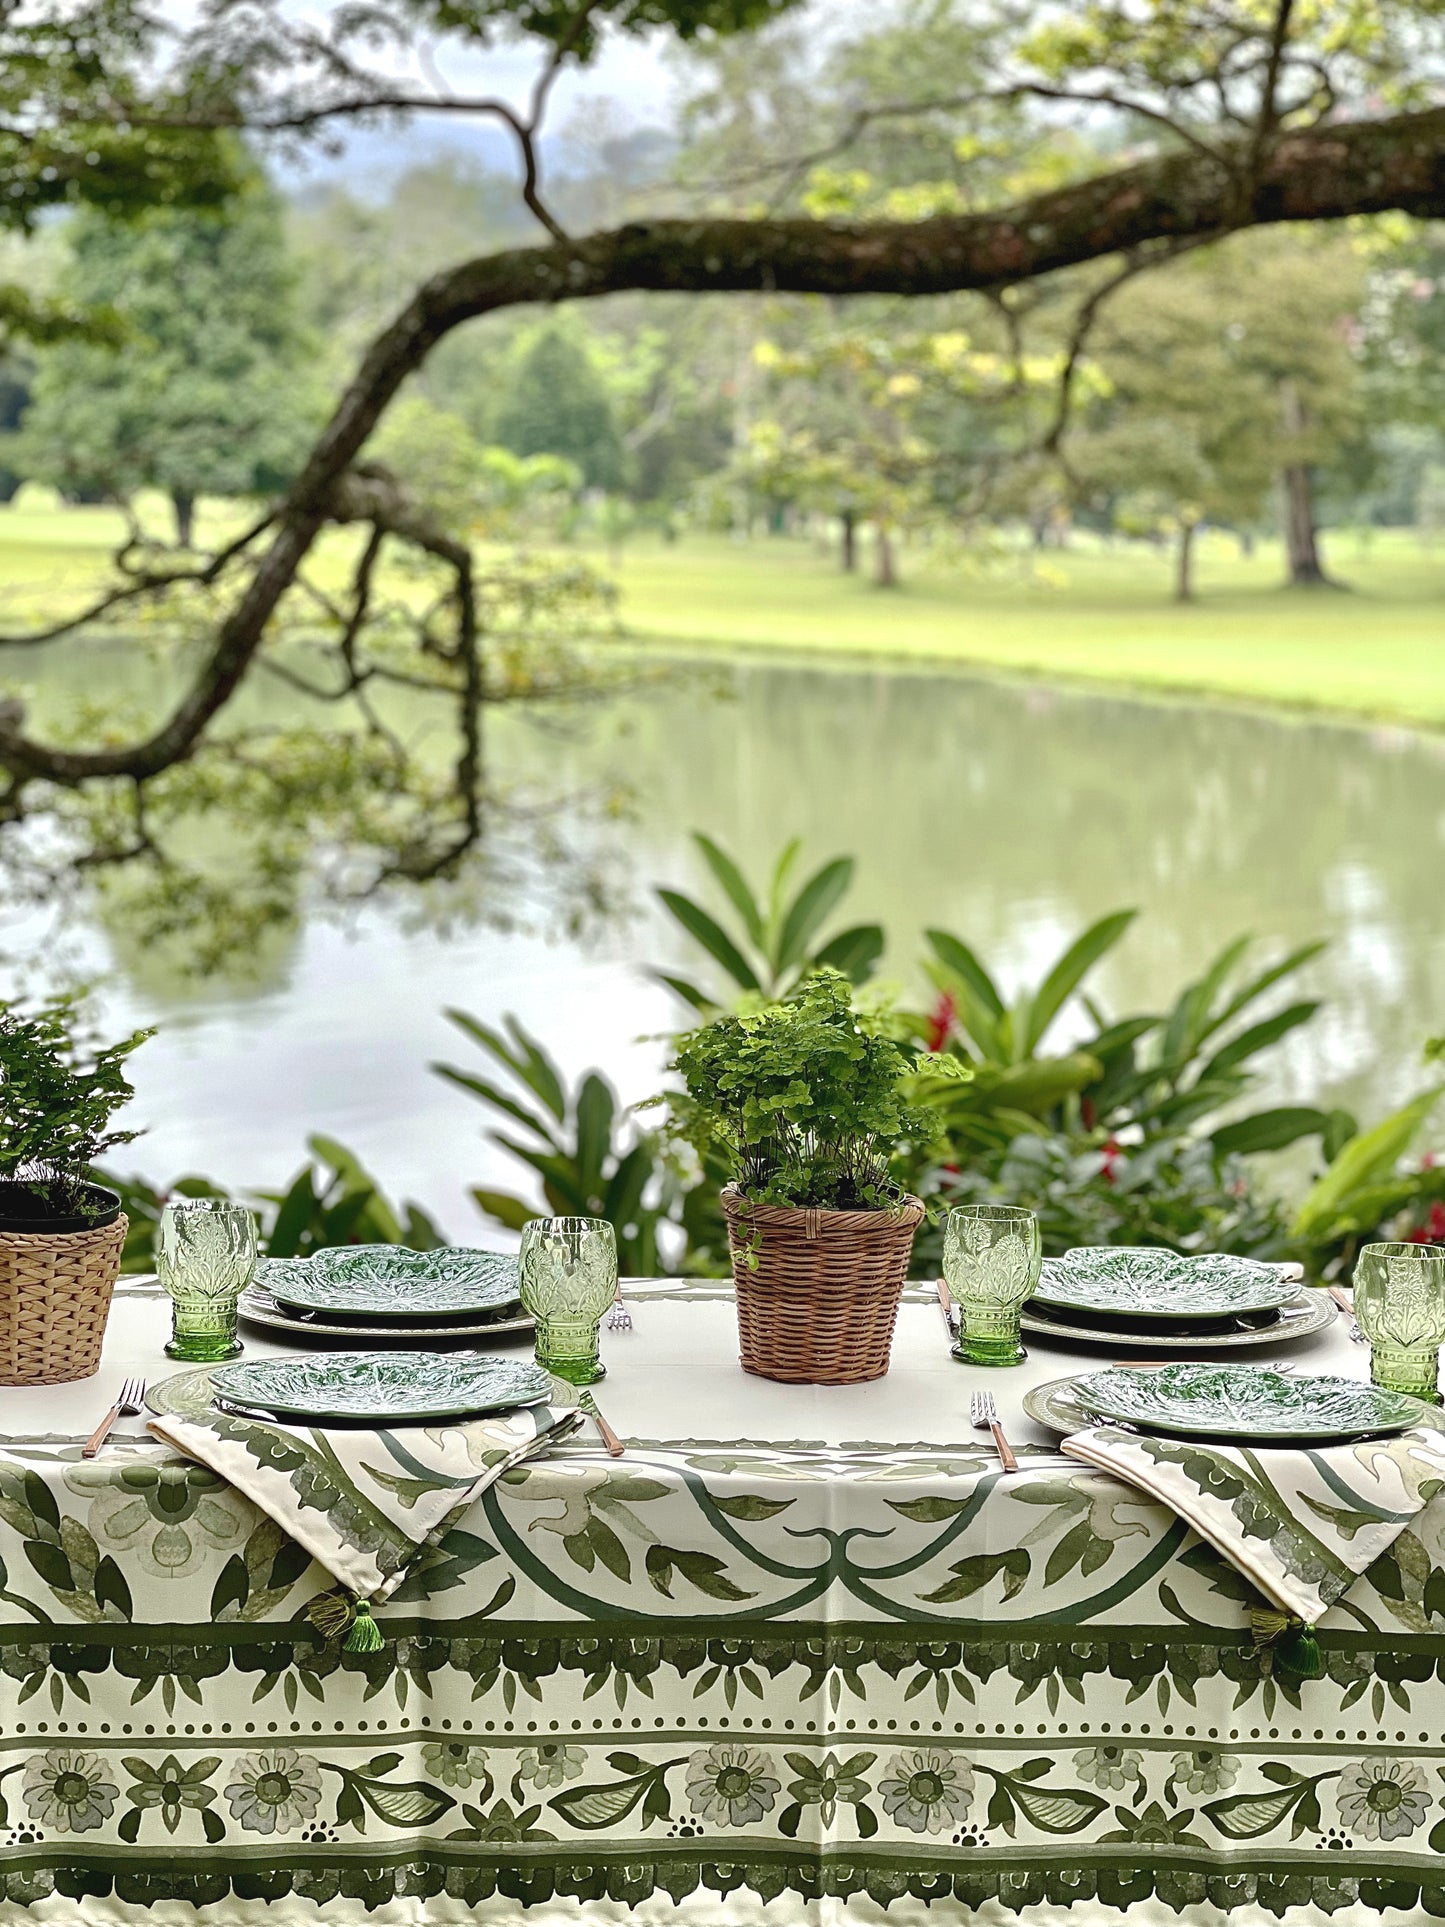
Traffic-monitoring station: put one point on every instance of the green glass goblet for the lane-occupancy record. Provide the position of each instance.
(569, 1278)
(205, 1258)
(1400, 1307)
(992, 1255)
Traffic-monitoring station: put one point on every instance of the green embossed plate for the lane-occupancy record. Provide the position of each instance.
(388, 1281)
(1056, 1406)
(1199, 1400)
(258, 1307)
(1308, 1312)
(1144, 1281)
(387, 1387)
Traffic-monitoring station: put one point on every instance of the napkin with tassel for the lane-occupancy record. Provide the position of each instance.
(1301, 1523)
(365, 1504)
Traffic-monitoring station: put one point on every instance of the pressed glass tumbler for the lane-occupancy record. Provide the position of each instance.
(1400, 1307)
(205, 1258)
(569, 1278)
(992, 1255)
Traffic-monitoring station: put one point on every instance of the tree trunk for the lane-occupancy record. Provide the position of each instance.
(184, 504)
(885, 572)
(1184, 562)
(1301, 540)
(850, 541)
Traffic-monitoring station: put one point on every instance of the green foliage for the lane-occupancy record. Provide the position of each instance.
(59, 1088)
(807, 1104)
(777, 945)
(207, 392)
(332, 1200)
(591, 1162)
(556, 404)
(1000, 1034)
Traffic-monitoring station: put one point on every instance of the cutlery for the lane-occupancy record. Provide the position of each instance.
(950, 1317)
(984, 1415)
(128, 1405)
(619, 1319)
(1347, 1305)
(609, 1437)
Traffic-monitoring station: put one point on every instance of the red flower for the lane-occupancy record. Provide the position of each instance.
(940, 1022)
(1432, 1232)
(1110, 1155)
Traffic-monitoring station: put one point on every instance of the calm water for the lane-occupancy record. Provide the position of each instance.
(1010, 814)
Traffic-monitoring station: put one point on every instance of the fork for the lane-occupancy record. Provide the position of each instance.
(619, 1319)
(128, 1405)
(1347, 1305)
(984, 1415)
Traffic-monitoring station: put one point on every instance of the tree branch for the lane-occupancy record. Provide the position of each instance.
(1365, 167)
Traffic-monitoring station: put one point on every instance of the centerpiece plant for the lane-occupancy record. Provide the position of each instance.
(808, 1104)
(61, 1233)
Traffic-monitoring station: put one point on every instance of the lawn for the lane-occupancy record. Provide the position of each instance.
(1089, 612)
(1092, 611)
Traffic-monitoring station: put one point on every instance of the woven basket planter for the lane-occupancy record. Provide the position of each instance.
(54, 1300)
(817, 1291)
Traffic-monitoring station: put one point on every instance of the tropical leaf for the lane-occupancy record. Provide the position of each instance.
(504, 1208)
(855, 951)
(955, 956)
(810, 909)
(1064, 979)
(1257, 1038)
(731, 878)
(596, 1108)
(714, 939)
(1268, 1130)
(1370, 1156)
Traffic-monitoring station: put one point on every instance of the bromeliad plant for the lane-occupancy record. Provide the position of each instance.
(59, 1089)
(807, 1103)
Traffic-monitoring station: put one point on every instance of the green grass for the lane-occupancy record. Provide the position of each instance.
(1091, 612)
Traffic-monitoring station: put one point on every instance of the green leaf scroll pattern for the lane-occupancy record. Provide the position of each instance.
(644, 1787)
(1057, 1810)
(60, 1551)
(1247, 1816)
(398, 1803)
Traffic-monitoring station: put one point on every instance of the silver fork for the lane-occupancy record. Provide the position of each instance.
(128, 1405)
(985, 1416)
(1347, 1305)
(619, 1319)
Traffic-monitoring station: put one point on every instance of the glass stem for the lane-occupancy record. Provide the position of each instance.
(567, 1348)
(989, 1335)
(204, 1330)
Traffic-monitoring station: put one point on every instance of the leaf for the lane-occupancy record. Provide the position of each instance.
(596, 1807)
(596, 1107)
(751, 1507)
(1245, 1816)
(713, 938)
(51, 1563)
(1064, 979)
(1069, 1552)
(975, 1572)
(504, 1208)
(1370, 1156)
(731, 878)
(1257, 1038)
(232, 1587)
(931, 1510)
(413, 1803)
(111, 1588)
(287, 1567)
(811, 907)
(1268, 1130)
(41, 1501)
(854, 951)
(1056, 1812)
(213, 1826)
(696, 999)
(498, 1099)
(129, 1828)
(954, 954)
(297, 1210)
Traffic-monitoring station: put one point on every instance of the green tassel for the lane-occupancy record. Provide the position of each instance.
(366, 1636)
(1298, 1655)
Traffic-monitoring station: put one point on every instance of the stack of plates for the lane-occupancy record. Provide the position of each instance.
(359, 1292)
(1148, 1298)
(1229, 1403)
(397, 1388)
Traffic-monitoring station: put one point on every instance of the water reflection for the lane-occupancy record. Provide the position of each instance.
(1009, 813)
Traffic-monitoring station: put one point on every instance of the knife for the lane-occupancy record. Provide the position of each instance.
(950, 1317)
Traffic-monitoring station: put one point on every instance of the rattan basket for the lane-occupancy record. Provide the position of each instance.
(817, 1291)
(54, 1300)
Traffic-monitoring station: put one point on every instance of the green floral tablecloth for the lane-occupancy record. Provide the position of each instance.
(798, 1679)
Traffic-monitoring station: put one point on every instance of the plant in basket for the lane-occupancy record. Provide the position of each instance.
(61, 1233)
(810, 1103)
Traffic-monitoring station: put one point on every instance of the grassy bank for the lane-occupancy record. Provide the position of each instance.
(1377, 649)
(1094, 611)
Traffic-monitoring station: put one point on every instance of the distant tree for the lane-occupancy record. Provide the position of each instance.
(556, 404)
(206, 391)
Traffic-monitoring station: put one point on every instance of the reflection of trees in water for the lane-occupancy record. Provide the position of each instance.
(1014, 814)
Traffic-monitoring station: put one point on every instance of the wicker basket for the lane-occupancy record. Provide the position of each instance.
(817, 1291)
(54, 1300)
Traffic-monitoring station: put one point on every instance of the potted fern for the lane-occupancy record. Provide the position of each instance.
(808, 1104)
(61, 1233)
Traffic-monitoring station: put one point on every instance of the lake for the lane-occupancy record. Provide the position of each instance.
(1010, 813)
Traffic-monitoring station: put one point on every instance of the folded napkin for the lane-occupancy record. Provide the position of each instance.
(1301, 1523)
(364, 1504)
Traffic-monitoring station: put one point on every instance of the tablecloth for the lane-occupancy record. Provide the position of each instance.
(791, 1659)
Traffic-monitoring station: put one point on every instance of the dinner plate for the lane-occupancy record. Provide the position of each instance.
(258, 1307)
(1307, 1313)
(387, 1387)
(1055, 1406)
(1203, 1400)
(1145, 1281)
(390, 1282)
